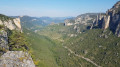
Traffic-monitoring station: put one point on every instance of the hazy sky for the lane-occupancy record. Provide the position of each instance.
(54, 8)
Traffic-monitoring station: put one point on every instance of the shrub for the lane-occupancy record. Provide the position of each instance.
(17, 41)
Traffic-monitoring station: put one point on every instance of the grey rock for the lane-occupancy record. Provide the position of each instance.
(12, 58)
(12, 24)
(16, 59)
(4, 39)
(105, 36)
(85, 18)
(110, 20)
(69, 22)
(118, 30)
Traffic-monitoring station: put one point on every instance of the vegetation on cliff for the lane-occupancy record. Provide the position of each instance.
(17, 41)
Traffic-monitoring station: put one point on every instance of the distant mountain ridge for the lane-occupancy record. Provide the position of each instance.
(81, 22)
(46, 19)
(32, 22)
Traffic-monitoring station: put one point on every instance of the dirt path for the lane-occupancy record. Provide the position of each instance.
(87, 59)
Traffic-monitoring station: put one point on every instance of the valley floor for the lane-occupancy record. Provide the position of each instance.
(50, 53)
(88, 49)
(87, 59)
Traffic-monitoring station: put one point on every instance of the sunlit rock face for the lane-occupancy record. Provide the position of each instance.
(106, 22)
(68, 22)
(110, 20)
(84, 18)
(11, 58)
(16, 59)
(5, 24)
(1, 23)
(17, 22)
(10, 23)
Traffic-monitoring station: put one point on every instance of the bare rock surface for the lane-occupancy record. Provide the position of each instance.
(110, 20)
(4, 39)
(12, 24)
(16, 59)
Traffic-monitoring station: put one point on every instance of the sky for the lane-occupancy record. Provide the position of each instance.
(54, 8)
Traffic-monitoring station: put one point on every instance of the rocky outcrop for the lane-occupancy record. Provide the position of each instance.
(97, 22)
(1, 23)
(82, 22)
(10, 23)
(4, 39)
(7, 23)
(11, 58)
(16, 59)
(106, 21)
(69, 22)
(110, 20)
(85, 19)
(117, 32)
(17, 22)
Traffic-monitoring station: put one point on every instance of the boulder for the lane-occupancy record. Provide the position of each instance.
(16, 59)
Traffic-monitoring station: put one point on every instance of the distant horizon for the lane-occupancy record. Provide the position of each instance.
(54, 8)
(48, 16)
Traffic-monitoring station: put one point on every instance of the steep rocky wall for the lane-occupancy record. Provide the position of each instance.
(9, 24)
(118, 30)
(17, 22)
(12, 24)
(110, 20)
(83, 19)
(1, 23)
(4, 39)
(106, 22)
(11, 58)
(69, 22)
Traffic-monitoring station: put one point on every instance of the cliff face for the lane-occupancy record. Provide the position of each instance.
(3, 40)
(69, 22)
(10, 23)
(17, 23)
(10, 58)
(85, 19)
(80, 23)
(110, 20)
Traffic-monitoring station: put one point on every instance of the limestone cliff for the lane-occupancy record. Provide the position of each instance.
(10, 23)
(69, 22)
(106, 21)
(110, 20)
(86, 19)
(81, 23)
(17, 22)
(3, 41)
(10, 58)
